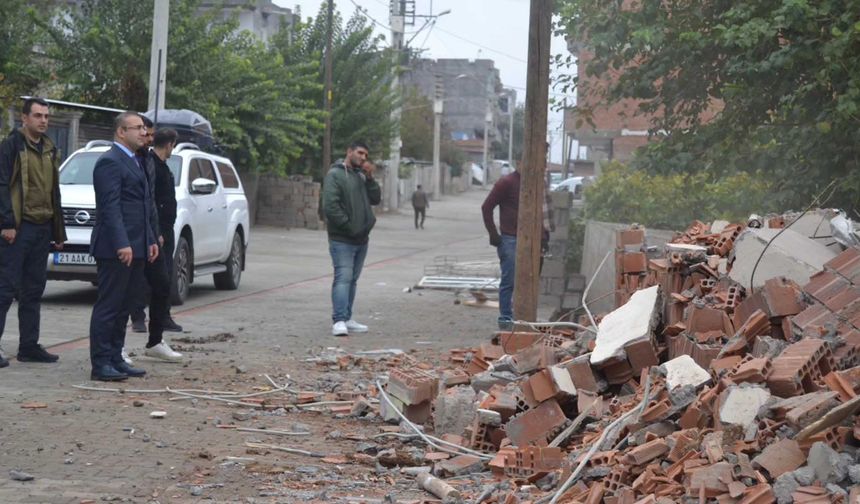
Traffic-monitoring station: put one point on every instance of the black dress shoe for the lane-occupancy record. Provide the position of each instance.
(171, 326)
(36, 353)
(139, 326)
(107, 373)
(3, 361)
(133, 372)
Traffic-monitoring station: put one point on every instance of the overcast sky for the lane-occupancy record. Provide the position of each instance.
(489, 29)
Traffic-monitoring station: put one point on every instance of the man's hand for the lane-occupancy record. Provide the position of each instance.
(57, 246)
(160, 240)
(368, 169)
(153, 252)
(9, 235)
(495, 240)
(125, 255)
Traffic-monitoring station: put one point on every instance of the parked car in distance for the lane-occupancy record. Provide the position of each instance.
(212, 223)
(574, 185)
(554, 180)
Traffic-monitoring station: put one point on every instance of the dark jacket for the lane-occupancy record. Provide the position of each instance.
(347, 197)
(419, 199)
(124, 207)
(165, 194)
(13, 170)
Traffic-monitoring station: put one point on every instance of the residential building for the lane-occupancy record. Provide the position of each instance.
(469, 89)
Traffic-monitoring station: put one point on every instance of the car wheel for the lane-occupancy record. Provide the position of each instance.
(182, 263)
(229, 280)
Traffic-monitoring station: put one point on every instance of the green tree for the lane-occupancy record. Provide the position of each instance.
(781, 79)
(362, 98)
(23, 70)
(252, 98)
(416, 125)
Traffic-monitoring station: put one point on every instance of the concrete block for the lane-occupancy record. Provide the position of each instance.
(829, 467)
(633, 321)
(791, 255)
(553, 267)
(454, 411)
(683, 370)
(571, 300)
(740, 404)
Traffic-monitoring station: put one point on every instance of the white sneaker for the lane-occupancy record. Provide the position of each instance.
(353, 326)
(339, 329)
(163, 352)
(126, 358)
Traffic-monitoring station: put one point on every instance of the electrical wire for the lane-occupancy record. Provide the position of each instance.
(482, 46)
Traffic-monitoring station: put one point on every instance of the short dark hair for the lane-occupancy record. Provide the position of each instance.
(119, 120)
(164, 136)
(147, 122)
(419, 186)
(358, 143)
(28, 104)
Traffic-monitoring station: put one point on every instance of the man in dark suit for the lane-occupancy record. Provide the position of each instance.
(122, 240)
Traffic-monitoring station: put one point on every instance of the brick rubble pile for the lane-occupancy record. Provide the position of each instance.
(695, 389)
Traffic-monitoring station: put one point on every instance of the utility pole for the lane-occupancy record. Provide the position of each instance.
(437, 140)
(392, 179)
(530, 216)
(488, 119)
(511, 106)
(565, 141)
(326, 154)
(158, 54)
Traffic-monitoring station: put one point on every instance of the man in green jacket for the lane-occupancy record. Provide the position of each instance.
(31, 218)
(348, 192)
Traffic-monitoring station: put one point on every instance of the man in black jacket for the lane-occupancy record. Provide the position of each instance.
(159, 272)
(31, 217)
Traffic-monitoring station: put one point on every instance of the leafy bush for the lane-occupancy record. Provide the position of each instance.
(673, 201)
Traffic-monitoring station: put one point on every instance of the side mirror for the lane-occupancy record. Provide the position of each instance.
(203, 186)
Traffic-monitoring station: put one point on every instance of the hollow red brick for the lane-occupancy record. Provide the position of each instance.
(413, 385)
(534, 424)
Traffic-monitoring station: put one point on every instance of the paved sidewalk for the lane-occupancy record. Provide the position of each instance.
(82, 446)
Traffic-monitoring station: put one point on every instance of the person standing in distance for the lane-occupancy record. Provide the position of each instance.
(122, 240)
(349, 190)
(31, 217)
(420, 204)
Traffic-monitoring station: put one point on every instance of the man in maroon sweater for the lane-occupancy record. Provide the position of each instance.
(506, 195)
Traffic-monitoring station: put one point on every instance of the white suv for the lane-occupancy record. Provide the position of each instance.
(212, 224)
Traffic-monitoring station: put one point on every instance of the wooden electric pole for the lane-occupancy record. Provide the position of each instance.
(530, 216)
(326, 162)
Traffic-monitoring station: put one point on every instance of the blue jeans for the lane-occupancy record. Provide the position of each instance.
(507, 261)
(23, 273)
(348, 259)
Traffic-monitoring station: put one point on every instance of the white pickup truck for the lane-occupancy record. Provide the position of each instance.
(212, 224)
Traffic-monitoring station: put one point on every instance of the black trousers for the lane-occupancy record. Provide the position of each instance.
(422, 212)
(159, 289)
(23, 274)
(118, 285)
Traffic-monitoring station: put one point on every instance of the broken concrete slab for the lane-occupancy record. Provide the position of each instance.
(454, 410)
(635, 320)
(741, 404)
(791, 255)
(829, 467)
(683, 370)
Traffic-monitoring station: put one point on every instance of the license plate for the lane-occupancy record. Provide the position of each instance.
(81, 258)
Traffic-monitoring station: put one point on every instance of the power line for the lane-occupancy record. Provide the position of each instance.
(363, 10)
(482, 46)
